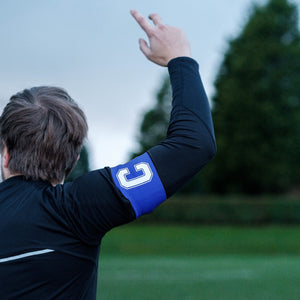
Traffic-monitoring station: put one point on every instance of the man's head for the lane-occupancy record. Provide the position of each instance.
(43, 130)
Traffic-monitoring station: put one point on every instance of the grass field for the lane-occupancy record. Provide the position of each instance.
(172, 262)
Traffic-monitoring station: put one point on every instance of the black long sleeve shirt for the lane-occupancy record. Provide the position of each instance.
(50, 236)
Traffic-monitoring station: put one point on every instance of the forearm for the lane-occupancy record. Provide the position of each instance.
(190, 141)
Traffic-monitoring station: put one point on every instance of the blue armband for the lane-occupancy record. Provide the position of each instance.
(139, 182)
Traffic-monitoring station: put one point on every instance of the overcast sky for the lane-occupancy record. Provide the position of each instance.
(91, 49)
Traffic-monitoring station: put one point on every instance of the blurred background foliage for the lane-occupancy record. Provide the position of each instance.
(82, 165)
(238, 210)
(255, 108)
(155, 121)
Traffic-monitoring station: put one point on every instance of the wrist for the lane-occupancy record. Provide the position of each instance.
(182, 54)
(177, 59)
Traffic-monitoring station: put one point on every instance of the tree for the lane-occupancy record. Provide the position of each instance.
(155, 121)
(256, 106)
(82, 165)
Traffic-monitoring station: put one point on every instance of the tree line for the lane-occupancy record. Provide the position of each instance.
(255, 108)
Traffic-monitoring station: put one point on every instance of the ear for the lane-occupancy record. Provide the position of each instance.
(5, 157)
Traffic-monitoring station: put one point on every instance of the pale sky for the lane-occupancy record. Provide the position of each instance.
(90, 48)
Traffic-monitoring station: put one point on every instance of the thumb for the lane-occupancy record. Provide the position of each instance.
(145, 48)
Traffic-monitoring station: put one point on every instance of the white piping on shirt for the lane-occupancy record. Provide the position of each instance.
(39, 252)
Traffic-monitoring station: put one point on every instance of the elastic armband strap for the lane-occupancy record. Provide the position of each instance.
(139, 182)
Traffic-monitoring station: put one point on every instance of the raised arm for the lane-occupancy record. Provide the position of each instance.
(190, 143)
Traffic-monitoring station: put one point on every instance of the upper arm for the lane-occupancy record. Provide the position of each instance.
(103, 199)
(93, 205)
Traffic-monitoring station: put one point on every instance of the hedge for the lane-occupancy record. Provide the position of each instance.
(235, 210)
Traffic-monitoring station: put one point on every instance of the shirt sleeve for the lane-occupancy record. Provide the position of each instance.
(190, 143)
(152, 177)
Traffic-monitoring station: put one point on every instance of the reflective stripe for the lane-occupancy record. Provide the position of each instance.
(39, 252)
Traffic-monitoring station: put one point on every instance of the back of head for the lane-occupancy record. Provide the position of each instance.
(43, 129)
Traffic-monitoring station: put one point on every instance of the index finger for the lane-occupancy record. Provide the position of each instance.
(142, 21)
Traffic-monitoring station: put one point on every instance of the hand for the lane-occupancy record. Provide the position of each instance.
(165, 42)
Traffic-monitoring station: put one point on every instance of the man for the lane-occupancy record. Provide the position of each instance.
(50, 232)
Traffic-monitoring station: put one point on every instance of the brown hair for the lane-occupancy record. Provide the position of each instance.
(43, 129)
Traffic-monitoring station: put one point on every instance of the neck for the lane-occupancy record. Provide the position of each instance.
(6, 175)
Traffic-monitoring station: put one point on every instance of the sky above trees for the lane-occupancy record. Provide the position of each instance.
(91, 49)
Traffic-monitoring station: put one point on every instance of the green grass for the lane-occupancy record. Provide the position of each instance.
(163, 262)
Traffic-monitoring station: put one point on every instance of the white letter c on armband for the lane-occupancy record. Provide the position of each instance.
(136, 181)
